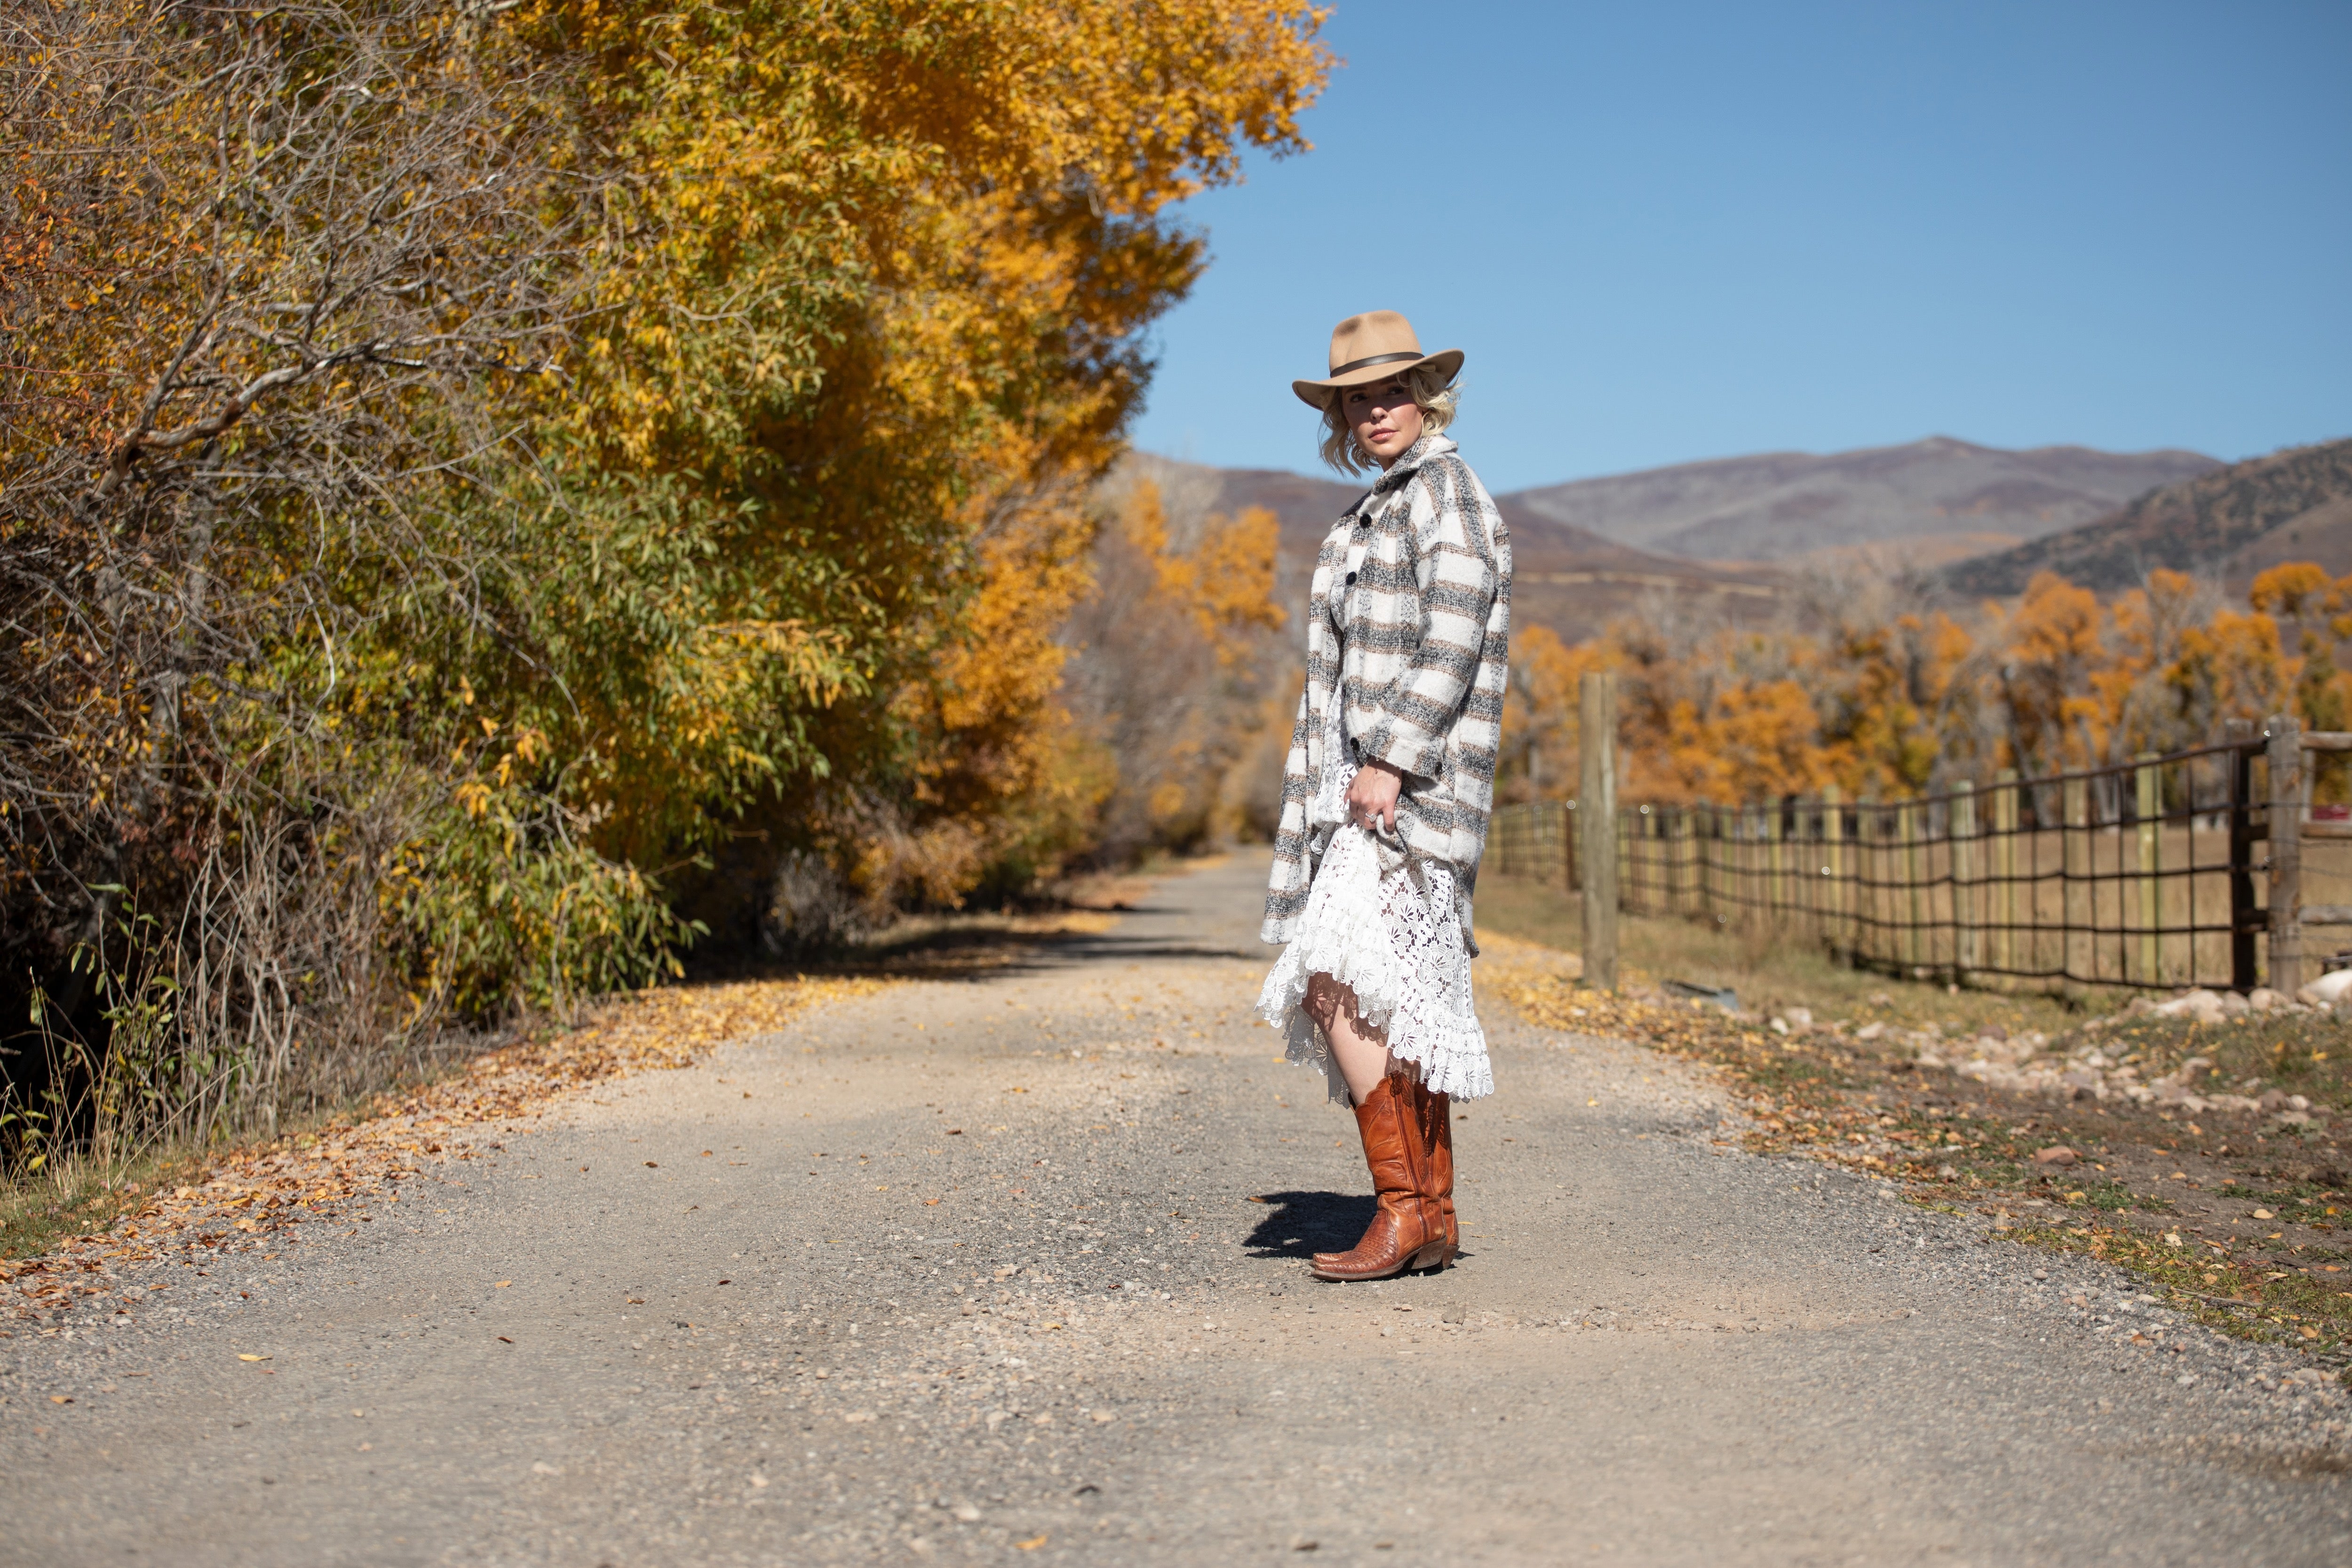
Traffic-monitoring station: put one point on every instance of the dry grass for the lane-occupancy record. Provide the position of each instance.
(1770, 974)
(2237, 1223)
(263, 1194)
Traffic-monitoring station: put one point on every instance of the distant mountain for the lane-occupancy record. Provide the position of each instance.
(1942, 498)
(1563, 577)
(2294, 505)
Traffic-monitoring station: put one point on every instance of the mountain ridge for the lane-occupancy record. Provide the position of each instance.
(2295, 504)
(1564, 577)
(1951, 496)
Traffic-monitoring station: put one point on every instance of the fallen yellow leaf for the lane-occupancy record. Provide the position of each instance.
(502, 1284)
(1031, 1545)
(243, 1357)
(61, 1399)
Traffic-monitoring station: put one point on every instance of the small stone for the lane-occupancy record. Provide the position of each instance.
(2056, 1154)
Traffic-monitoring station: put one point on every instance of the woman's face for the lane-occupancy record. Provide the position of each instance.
(1384, 416)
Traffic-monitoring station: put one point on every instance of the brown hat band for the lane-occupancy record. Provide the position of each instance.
(1357, 365)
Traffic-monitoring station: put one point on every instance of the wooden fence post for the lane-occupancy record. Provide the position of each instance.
(1686, 867)
(2245, 917)
(1906, 827)
(1597, 807)
(2004, 860)
(2285, 814)
(1626, 824)
(1963, 836)
(2147, 802)
(1708, 825)
(1871, 880)
(1834, 862)
(1751, 860)
(2075, 889)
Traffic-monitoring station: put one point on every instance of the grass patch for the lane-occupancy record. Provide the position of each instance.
(1771, 975)
(178, 1197)
(77, 1197)
(2273, 1306)
(1963, 1146)
(2301, 1053)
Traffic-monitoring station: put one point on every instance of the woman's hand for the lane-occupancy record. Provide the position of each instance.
(1373, 795)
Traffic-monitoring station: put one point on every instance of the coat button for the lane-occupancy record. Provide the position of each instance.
(1352, 579)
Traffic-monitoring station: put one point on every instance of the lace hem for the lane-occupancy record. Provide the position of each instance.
(1396, 940)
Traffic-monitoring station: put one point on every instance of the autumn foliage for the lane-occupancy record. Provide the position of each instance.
(494, 494)
(1857, 689)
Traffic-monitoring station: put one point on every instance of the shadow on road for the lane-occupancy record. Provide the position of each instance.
(958, 954)
(1303, 1224)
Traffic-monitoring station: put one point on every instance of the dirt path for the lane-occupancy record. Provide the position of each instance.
(972, 1270)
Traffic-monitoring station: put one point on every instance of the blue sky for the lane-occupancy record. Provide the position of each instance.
(1665, 232)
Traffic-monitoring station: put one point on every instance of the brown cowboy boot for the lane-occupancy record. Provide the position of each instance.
(1432, 1116)
(1405, 1232)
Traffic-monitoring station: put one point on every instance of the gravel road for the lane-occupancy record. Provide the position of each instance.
(1011, 1269)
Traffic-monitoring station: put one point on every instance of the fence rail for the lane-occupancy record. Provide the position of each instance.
(2159, 873)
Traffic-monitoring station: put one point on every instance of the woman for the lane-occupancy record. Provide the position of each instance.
(1386, 792)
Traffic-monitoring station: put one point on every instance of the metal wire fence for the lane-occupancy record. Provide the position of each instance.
(2145, 874)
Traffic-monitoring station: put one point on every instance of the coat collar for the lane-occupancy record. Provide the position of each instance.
(1430, 446)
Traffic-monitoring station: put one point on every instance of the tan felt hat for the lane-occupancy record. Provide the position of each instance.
(1373, 346)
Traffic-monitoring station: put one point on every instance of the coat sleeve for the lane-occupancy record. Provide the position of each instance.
(1293, 871)
(1457, 571)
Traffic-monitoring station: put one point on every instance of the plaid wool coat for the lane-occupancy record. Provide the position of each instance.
(1415, 643)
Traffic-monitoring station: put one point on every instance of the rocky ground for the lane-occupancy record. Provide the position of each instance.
(1008, 1266)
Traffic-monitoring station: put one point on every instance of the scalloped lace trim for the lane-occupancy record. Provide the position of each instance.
(1397, 942)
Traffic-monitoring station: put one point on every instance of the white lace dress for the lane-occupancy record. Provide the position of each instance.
(1395, 937)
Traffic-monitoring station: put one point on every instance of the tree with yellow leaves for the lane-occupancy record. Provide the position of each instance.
(468, 466)
(1883, 698)
(1175, 659)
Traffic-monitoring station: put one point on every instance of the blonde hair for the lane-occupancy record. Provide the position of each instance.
(1437, 402)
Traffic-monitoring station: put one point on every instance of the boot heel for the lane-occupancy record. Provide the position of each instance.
(1436, 1254)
